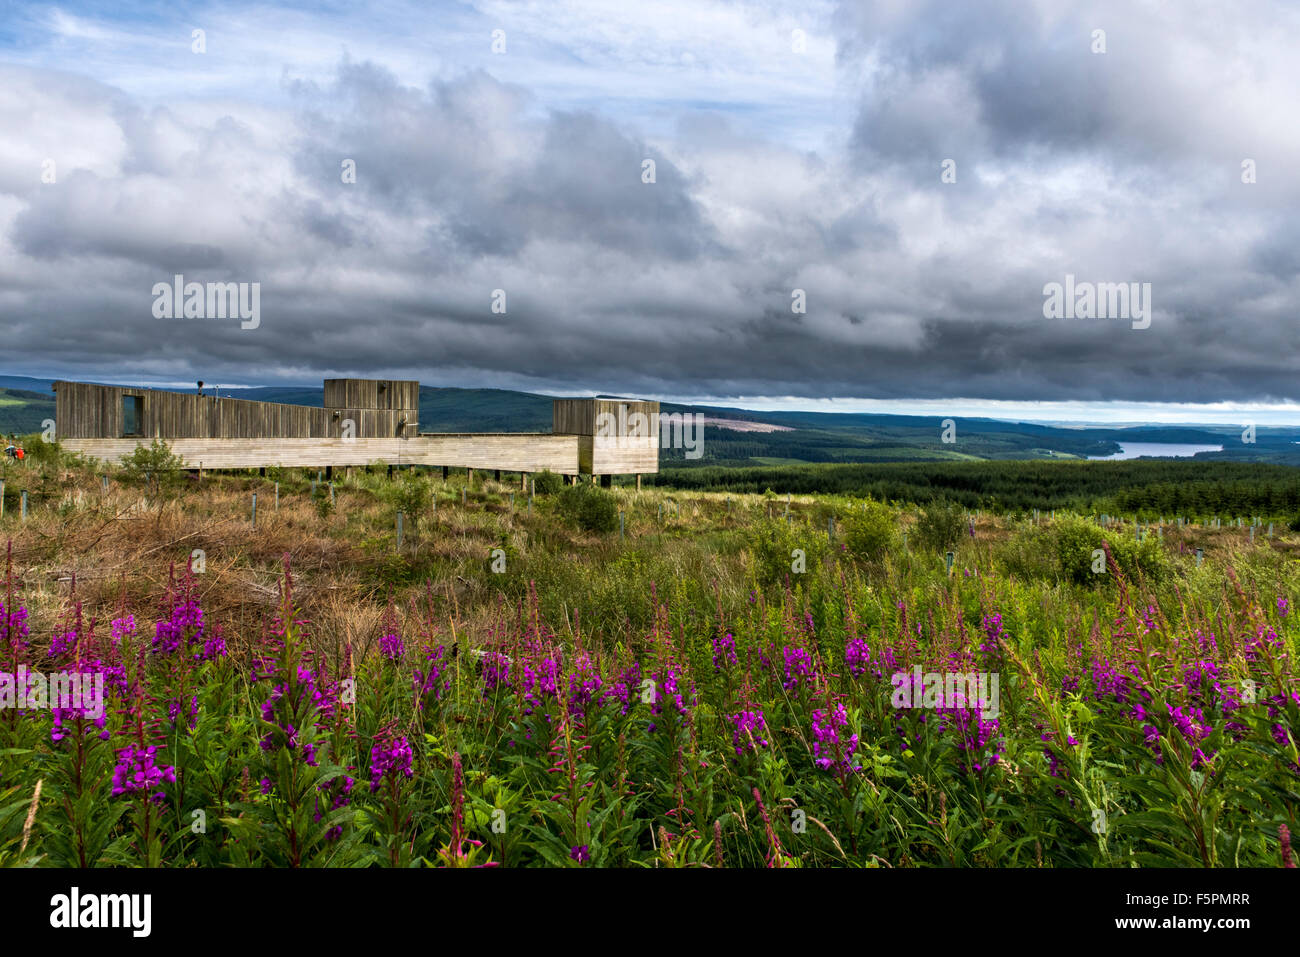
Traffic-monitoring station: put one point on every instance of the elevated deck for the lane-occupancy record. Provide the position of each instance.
(508, 452)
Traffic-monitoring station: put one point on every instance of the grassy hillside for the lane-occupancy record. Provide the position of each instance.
(519, 683)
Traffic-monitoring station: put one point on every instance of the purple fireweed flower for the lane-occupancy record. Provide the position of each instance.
(338, 790)
(1200, 676)
(832, 747)
(1152, 738)
(496, 670)
(320, 700)
(541, 678)
(122, 628)
(391, 646)
(724, 651)
(798, 666)
(857, 656)
(435, 679)
(183, 627)
(1190, 722)
(975, 732)
(137, 772)
(214, 645)
(666, 686)
(747, 734)
(1265, 636)
(389, 758)
(14, 622)
(994, 635)
(81, 710)
(63, 644)
(1282, 606)
(580, 854)
(584, 686)
(624, 685)
(1110, 683)
(174, 711)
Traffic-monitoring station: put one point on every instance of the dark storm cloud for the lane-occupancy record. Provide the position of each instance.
(1120, 167)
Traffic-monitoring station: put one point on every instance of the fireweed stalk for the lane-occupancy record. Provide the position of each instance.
(139, 776)
(294, 745)
(83, 769)
(390, 765)
(455, 854)
(566, 751)
(13, 619)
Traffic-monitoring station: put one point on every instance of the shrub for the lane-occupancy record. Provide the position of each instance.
(590, 508)
(939, 528)
(547, 482)
(410, 496)
(323, 502)
(1146, 558)
(1076, 539)
(40, 452)
(1024, 556)
(773, 543)
(869, 531)
(152, 463)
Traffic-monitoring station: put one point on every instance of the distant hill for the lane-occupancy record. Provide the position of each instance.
(802, 437)
(22, 410)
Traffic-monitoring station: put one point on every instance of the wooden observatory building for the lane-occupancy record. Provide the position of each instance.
(360, 422)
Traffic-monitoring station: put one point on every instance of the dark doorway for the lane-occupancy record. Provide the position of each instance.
(132, 415)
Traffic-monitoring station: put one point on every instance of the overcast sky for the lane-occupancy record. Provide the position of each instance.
(784, 161)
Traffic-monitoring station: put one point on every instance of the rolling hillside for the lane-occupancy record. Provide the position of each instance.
(762, 438)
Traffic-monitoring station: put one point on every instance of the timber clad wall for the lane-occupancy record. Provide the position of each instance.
(85, 411)
(240, 433)
(398, 394)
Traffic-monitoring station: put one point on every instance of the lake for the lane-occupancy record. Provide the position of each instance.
(1171, 450)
